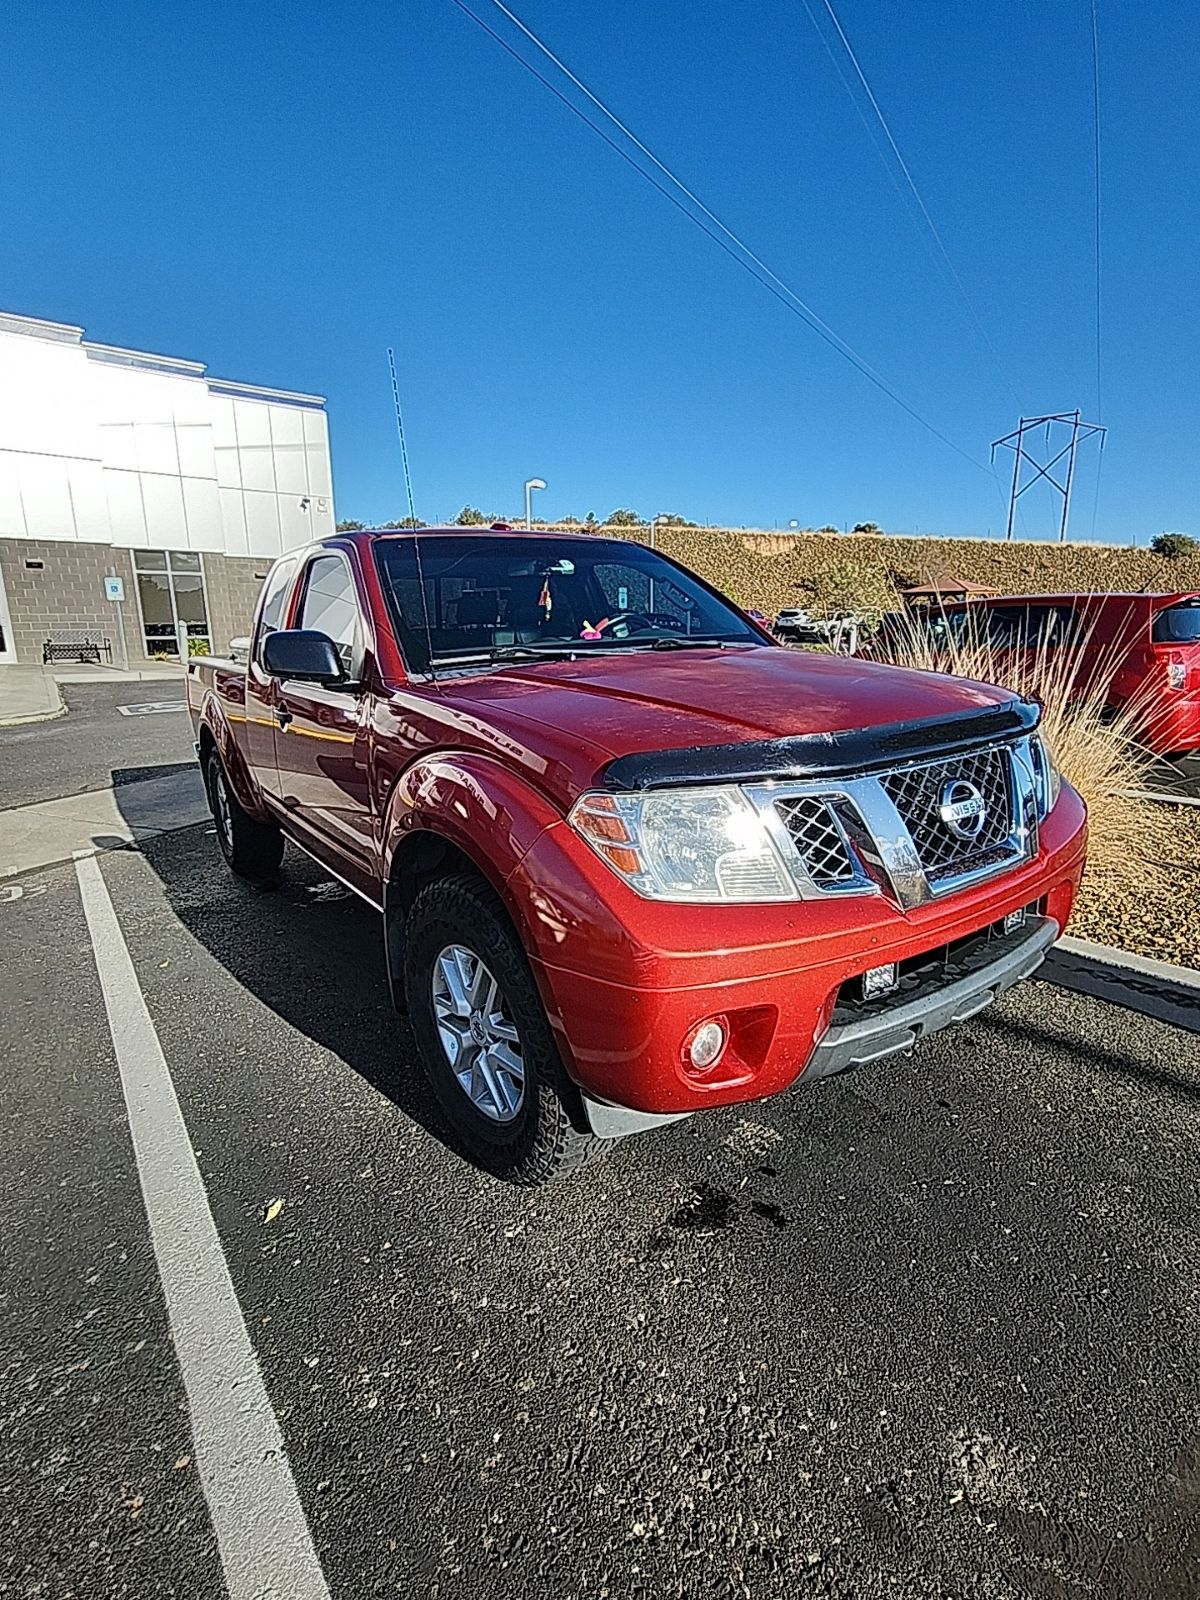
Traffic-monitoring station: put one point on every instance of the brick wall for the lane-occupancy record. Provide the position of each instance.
(65, 591)
(233, 583)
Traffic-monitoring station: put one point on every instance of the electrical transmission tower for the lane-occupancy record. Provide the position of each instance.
(1022, 458)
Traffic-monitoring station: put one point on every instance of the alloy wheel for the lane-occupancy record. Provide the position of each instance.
(477, 1034)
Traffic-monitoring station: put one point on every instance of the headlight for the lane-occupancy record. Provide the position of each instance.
(685, 844)
(1047, 778)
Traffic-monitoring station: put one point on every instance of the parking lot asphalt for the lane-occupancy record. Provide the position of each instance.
(45, 761)
(928, 1330)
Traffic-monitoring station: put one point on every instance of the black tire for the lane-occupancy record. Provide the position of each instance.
(547, 1136)
(252, 849)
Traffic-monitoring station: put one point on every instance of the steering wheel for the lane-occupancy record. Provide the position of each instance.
(623, 624)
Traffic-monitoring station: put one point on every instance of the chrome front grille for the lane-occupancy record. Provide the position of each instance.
(919, 794)
(813, 830)
(912, 832)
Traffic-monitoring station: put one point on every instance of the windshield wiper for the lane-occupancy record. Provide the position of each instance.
(690, 641)
(560, 651)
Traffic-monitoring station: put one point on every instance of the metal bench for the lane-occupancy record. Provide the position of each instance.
(76, 644)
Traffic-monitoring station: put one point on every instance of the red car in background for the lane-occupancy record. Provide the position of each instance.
(1146, 647)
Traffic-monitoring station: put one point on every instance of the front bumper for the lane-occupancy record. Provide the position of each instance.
(625, 980)
(892, 1029)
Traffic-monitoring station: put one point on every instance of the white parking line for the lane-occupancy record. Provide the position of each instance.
(264, 1542)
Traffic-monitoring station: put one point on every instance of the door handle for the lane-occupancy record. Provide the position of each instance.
(283, 716)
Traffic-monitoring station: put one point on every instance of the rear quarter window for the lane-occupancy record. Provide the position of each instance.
(275, 593)
(1178, 624)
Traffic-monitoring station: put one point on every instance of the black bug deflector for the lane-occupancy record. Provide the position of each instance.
(854, 752)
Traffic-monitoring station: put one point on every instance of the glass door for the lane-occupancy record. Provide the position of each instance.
(7, 652)
(171, 597)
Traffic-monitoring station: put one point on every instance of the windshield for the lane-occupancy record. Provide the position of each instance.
(1179, 624)
(495, 596)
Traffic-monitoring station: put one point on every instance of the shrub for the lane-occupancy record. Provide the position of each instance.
(866, 527)
(1174, 545)
(858, 586)
(470, 517)
(1097, 750)
(624, 519)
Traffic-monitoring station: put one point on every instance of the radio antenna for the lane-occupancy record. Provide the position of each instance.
(412, 514)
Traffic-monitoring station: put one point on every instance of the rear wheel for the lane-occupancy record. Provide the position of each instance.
(252, 849)
(484, 1040)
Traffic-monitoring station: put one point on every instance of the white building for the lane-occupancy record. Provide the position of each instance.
(141, 466)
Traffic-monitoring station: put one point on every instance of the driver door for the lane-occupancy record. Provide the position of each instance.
(322, 743)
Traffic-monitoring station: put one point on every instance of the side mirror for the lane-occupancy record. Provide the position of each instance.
(303, 654)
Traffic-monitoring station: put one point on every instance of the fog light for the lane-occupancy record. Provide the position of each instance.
(705, 1045)
(1014, 920)
(878, 981)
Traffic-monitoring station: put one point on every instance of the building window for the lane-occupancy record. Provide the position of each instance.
(170, 586)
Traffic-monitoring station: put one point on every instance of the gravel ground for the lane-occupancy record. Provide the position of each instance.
(1156, 915)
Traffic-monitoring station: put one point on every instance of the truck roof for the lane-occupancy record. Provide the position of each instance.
(468, 531)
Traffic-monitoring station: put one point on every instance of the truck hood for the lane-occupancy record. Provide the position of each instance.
(573, 717)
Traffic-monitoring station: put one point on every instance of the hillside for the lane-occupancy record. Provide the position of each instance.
(771, 570)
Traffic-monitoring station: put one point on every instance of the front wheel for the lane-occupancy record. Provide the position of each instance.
(252, 849)
(484, 1040)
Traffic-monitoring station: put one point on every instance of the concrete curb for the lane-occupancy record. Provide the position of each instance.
(50, 714)
(1159, 797)
(1156, 989)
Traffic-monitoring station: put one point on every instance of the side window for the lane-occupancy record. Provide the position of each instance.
(330, 605)
(627, 588)
(278, 580)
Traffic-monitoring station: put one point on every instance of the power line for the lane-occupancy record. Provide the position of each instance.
(764, 276)
(1096, 148)
(972, 313)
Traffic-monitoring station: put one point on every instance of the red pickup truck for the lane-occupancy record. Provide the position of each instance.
(633, 858)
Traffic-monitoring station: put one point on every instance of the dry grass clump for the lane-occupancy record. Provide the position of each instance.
(1096, 750)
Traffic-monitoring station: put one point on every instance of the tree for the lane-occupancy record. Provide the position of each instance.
(353, 527)
(569, 522)
(672, 519)
(851, 583)
(624, 519)
(1174, 545)
(590, 520)
(867, 527)
(406, 522)
(470, 517)
(831, 528)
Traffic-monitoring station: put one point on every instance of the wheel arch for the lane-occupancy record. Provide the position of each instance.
(447, 816)
(215, 733)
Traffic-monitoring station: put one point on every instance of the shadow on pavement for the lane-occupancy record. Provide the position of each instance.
(308, 949)
(1095, 1058)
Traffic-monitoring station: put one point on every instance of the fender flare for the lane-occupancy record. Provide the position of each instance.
(215, 721)
(481, 809)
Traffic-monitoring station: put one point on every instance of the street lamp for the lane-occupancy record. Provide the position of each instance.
(530, 485)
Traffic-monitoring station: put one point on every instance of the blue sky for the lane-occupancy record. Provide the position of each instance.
(284, 190)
